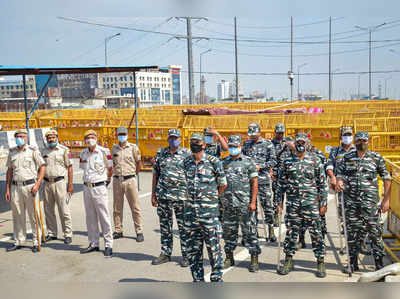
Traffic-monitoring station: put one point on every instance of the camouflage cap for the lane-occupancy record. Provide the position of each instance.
(20, 131)
(301, 137)
(122, 130)
(174, 132)
(197, 136)
(51, 132)
(234, 140)
(346, 130)
(206, 133)
(90, 132)
(279, 128)
(254, 129)
(362, 135)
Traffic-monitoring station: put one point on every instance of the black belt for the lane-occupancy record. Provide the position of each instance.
(126, 177)
(91, 185)
(54, 180)
(25, 183)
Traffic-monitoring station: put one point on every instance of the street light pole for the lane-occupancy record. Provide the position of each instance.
(201, 89)
(370, 30)
(298, 80)
(105, 45)
(386, 86)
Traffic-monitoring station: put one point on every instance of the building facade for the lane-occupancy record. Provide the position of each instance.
(161, 87)
(223, 90)
(15, 88)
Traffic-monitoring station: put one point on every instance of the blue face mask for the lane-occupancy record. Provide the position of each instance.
(122, 138)
(20, 141)
(174, 143)
(234, 151)
(52, 144)
(208, 139)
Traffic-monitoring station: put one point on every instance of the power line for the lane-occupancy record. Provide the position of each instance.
(303, 74)
(216, 38)
(302, 55)
(276, 27)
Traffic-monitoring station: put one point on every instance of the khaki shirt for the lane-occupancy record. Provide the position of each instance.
(125, 159)
(57, 161)
(26, 163)
(95, 164)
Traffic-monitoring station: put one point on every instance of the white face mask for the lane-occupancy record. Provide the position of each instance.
(91, 142)
(347, 139)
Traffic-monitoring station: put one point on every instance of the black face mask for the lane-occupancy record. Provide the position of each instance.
(196, 148)
(361, 147)
(300, 148)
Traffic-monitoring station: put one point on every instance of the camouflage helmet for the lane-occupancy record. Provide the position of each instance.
(346, 130)
(253, 129)
(302, 137)
(279, 128)
(362, 135)
(197, 136)
(174, 132)
(235, 140)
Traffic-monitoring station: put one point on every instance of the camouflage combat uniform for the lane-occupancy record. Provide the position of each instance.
(319, 154)
(282, 152)
(236, 200)
(201, 214)
(263, 154)
(304, 182)
(171, 194)
(361, 198)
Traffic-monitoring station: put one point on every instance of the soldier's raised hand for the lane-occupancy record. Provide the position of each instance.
(339, 186)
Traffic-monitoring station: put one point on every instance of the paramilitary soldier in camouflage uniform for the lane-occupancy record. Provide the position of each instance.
(169, 194)
(304, 181)
(262, 152)
(206, 181)
(214, 148)
(357, 178)
(240, 203)
(282, 146)
(319, 154)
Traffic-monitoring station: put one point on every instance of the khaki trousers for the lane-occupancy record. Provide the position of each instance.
(129, 189)
(96, 207)
(22, 202)
(56, 193)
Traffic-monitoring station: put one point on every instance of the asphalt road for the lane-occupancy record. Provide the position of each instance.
(131, 262)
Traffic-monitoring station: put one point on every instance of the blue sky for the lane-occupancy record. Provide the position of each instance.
(31, 33)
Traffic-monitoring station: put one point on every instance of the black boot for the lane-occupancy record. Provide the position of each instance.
(287, 267)
(254, 266)
(229, 261)
(378, 263)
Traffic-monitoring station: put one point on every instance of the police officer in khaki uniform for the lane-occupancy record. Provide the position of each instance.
(127, 164)
(25, 173)
(96, 163)
(55, 190)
